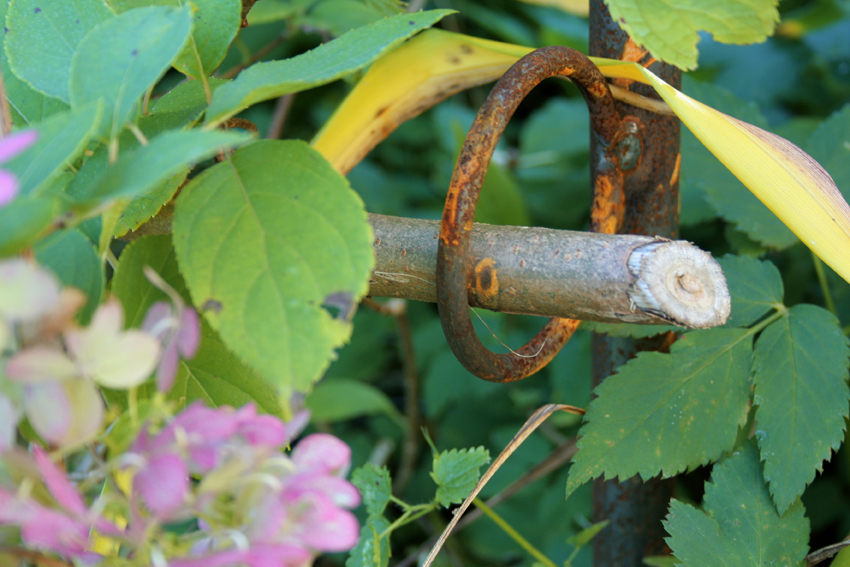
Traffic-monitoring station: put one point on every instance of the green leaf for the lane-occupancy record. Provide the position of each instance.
(328, 62)
(586, 535)
(28, 106)
(264, 240)
(41, 38)
(122, 57)
(830, 146)
(802, 396)
(755, 287)
(371, 550)
(269, 11)
(375, 486)
(667, 413)
(23, 220)
(739, 525)
(141, 170)
(73, 259)
(141, 209)
(186, 100)
(61, 139)
(341, 399)
(702, 173)
(456, 473)
(670, 31)
(214, 25)
(215, 375)
(629, 329)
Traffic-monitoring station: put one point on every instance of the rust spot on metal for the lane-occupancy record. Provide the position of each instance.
(522, 263)
(486, 279)
(674, 178)
(404, 252)
(462, 200)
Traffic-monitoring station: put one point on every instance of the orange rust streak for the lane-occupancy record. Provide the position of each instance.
(674, 178)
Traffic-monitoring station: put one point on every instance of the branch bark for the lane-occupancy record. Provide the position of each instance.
(540, 271)
(553, 273)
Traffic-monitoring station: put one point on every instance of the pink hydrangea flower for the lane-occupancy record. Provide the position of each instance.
(9, 148)
(176, 326)
(198, 441)
(65, 530)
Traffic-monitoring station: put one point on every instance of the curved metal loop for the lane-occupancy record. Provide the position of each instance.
(462, 199)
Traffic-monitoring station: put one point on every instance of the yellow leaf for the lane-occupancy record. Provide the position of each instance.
(427, 69)
(437, 64)
(576, 7)
(785, 178)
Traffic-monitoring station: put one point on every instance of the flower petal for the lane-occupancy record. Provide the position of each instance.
(40, 363)
(189, 336)
(26, 291)
(65, 413)
(58, 484)
(322, 453)
(9, 417)
(11, 146)
(8, 187)
(163, 485)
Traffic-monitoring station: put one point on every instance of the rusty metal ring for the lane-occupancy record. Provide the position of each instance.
(462, 199)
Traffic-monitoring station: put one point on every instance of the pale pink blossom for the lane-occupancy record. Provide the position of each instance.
(9, 148)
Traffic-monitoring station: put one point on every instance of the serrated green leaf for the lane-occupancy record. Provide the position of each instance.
(830, 146)
(739, 525)
(214, 25)
(123, 56)
(215, 375)
(670, 32)
(264, 240)
(329, 62)
(22, 220)
(375, 486)
(140, 171)
(801, 391)
(703, 176)
(629, 329)
(28, 106)
(755, 287)
(186, 99)
(371, 550)
(456, 473)
(41, 37)
(341, 399)
(140, 210)
(71, 256)
(667, 413)
(61, 139)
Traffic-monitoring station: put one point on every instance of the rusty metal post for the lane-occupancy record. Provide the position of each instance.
(652, 208)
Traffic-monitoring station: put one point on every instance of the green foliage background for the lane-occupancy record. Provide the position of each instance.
(796, 84)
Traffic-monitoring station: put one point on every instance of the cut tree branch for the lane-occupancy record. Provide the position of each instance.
(540, 271)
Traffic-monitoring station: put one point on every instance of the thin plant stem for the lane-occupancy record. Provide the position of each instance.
(263, 51)
(514, 535)
(824, 285)
(140, 136)
(5, 110)
(397, 309)
(281, 111)
(411, 515)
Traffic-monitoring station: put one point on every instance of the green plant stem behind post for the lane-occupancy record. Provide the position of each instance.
(634, 508)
